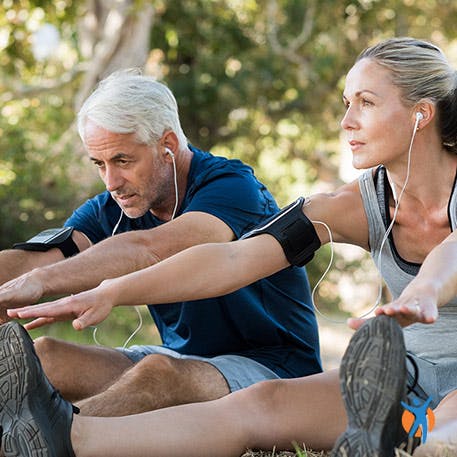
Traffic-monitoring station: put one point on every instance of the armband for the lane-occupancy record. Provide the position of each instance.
(294, 231)
(59, 238)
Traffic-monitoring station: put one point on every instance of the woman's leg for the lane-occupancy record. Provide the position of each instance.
(272, 413)
(442, 440)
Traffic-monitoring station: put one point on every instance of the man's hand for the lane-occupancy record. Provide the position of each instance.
(85, 309)
(24, 290)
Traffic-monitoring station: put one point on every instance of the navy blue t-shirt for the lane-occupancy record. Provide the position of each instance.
(270, 321)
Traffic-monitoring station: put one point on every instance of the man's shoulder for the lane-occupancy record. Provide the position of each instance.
(101, 202)
(207, 163)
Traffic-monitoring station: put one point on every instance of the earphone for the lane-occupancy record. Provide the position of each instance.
(175, 179)
(378, 261)
(140, 318)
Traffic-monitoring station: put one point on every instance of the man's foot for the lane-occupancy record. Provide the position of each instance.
(373, 384)
(35, 419)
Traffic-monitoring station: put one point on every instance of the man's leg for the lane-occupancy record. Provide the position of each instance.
(106, 382)
(157, 381)
(80, 371)
(442, 440)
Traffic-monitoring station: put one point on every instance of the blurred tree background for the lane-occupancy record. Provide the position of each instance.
(256, 80)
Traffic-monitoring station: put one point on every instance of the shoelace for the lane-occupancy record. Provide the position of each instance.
(412, 388)
(56, 395)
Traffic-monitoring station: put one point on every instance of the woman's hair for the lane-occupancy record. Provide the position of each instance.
(421, 71)
(128, 102)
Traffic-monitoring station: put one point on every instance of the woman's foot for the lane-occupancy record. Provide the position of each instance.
(373, 384)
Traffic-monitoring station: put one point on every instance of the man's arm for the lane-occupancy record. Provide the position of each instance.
(198, 272)
(15, 262)
(114, 257)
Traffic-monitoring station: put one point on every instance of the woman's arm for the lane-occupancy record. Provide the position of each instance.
(199, 272)
(204, 271)
(434, 286)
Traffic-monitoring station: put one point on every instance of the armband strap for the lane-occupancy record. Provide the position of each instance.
(59, 238)
(294, 231)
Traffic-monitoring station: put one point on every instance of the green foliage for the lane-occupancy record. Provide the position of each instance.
(113, 332)
(256, 80)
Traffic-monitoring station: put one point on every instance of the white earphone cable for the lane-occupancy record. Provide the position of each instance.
(140, 317)
(383, 242)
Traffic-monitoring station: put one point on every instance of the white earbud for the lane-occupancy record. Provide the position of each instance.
(419, 116)
(169, 152)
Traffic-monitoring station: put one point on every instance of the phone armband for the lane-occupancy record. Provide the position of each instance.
(294, 231)
(59, 238)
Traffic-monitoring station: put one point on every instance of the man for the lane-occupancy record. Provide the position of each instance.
(162, 196)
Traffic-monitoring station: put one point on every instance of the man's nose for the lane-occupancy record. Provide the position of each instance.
(113, 179)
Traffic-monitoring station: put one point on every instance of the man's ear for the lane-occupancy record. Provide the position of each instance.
(169, 142)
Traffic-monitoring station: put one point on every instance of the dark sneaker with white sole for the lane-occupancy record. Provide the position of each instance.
(373, 380)
(35, 419)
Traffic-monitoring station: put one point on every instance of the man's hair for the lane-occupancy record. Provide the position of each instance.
(129, 102)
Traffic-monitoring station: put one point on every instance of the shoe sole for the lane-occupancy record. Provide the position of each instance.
(372, 379)
(18, 375)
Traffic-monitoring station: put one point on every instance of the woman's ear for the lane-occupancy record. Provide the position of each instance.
(424, 113)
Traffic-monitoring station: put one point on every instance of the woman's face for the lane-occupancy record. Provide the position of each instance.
(377, 123)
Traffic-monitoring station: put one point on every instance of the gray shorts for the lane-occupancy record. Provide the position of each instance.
(436, 378)
(239, 372)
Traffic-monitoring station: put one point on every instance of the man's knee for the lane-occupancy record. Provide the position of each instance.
(47, 349)
(182, 380)
(153, 367)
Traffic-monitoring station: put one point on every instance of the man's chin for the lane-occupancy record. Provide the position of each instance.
(133, 213)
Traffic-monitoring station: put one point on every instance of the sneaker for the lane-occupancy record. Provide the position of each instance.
(373, 384)
(35, 419)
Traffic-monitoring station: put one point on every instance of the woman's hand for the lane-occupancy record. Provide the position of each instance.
(412, 306)
(85, 309)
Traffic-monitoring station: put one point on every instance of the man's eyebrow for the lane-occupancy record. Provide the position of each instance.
(119, 155)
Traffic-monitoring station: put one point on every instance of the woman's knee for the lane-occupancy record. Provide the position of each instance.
(262, 397)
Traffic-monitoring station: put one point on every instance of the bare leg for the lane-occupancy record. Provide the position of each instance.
(157, 381)
(272, 413)
(442, 440)
(104, 382)
(79, 371)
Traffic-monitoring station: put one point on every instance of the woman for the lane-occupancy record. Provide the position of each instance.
(401, 112)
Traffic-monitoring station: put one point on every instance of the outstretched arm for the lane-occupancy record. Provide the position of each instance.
(114, 257)
(203, 271)
(434, 286)
(199, 272)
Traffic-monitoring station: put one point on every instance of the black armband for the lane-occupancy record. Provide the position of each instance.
(294, 231)
(59, 238)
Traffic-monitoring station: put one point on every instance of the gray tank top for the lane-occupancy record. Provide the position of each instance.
(434, 342)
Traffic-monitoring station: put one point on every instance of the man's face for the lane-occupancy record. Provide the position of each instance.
(135, 174)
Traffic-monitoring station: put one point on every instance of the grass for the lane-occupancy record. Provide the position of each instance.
(298, 453)
(302, 452)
